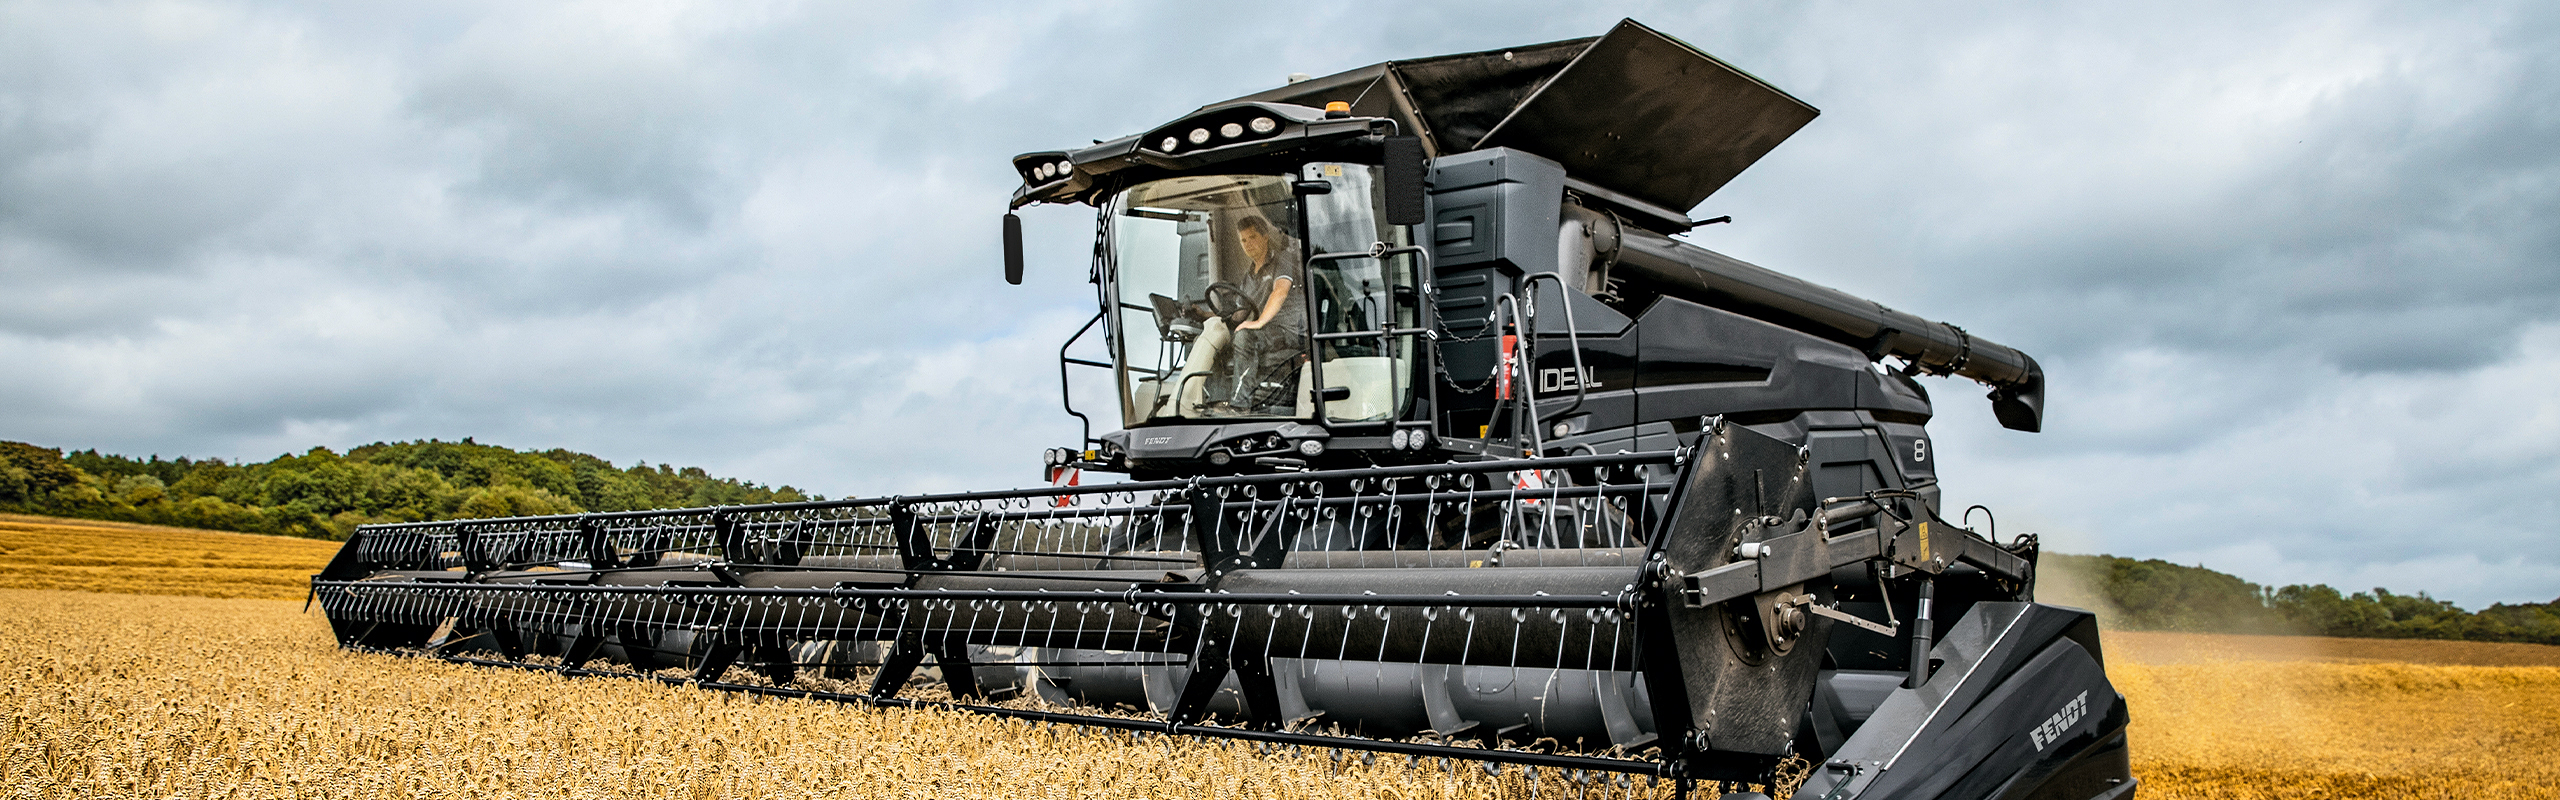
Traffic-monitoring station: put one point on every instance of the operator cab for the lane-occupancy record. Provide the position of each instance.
(1265, 303)
(1239, 295)
(1262, 311)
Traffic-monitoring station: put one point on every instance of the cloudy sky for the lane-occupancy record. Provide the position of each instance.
(2293, 268)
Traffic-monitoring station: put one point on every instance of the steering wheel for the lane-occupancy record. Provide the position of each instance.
(1225, 300)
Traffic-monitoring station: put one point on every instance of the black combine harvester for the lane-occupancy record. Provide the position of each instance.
(1438, 445)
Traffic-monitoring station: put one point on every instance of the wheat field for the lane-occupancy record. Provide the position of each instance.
(2235, 718)
(131, 695)
(150, 697)
(125, 558)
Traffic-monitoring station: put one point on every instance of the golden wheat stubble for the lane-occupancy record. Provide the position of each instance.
(90, 556)
(148, 696)
(2241, 728)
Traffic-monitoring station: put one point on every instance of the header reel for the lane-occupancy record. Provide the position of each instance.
(1659, 614)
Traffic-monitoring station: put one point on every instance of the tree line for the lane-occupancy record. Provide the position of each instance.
(324, 495)
(2157, 595)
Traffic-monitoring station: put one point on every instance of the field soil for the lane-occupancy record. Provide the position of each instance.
(121, 695)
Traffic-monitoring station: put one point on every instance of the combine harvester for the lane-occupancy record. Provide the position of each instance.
(1438, 446)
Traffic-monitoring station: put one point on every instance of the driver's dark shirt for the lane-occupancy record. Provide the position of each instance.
(1292, 317)
(1283, 337)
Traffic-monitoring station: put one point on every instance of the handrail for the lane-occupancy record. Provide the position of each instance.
(1573, 339)
(1066, 395)
(1379, 251)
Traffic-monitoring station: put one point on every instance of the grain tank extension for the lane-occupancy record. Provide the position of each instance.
(1437, 444)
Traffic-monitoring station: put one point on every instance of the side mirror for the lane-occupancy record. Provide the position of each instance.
(1406, 170)
(1012, 249)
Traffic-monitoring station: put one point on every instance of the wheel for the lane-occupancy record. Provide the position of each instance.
(1226, 299)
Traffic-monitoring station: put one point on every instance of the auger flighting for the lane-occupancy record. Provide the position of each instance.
(1438, 444)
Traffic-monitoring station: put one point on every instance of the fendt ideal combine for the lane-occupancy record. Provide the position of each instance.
(1438, 446)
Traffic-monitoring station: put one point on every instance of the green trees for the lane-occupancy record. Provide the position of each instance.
(2157, 595)
(28, 472)
(322, 494)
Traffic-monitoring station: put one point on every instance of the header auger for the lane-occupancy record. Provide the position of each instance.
(1439, 446)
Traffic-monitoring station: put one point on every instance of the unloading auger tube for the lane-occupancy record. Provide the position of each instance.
(1660, 615)
(1659, 263)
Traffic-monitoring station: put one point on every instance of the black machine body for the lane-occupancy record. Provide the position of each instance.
(1542, 308)
(1439, 444)
(1542, 305)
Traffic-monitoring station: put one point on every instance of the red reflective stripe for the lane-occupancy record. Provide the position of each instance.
(1074, 477)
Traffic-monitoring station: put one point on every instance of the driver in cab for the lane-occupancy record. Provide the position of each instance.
(1270, 326)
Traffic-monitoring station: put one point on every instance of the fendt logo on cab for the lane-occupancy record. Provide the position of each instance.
(2051, 730)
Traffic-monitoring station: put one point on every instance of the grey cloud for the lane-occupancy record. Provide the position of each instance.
(2354, 180)
(571, 114)
(2327, 478)
(2285, 265)
(133, 146)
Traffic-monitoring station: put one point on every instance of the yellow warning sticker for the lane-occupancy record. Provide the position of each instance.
(1924, 541)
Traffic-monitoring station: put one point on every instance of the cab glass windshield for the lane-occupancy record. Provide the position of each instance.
(1220, 314)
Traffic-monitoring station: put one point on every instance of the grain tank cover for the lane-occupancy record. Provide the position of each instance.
(1634, 111)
